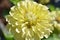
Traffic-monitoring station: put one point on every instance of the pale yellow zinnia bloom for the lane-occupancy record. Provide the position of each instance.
(29, 20)
(56, 22)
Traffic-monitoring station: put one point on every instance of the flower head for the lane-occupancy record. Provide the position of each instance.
(29, 20)
(56, 22)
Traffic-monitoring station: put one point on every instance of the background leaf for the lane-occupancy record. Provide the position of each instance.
(15, 1)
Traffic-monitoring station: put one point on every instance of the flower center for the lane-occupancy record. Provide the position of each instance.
(31, 18)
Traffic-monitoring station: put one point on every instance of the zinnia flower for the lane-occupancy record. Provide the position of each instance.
(57, 19)
(29, 20)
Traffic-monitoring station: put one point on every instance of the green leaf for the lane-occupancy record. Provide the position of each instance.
(6, 12)
(15, 1)
(52, 7)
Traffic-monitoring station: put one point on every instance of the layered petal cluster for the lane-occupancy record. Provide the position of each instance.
(29, 20)
(56, 15)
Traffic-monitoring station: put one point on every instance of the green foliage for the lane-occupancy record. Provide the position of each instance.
(5, 12)
(52, 7)
(15, 1)
(44, 1)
